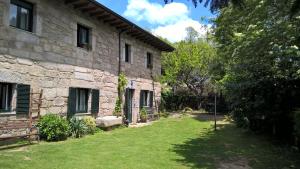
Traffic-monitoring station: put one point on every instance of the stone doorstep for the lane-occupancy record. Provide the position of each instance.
(137, 125)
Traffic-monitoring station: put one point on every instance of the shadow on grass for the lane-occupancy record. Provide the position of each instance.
(230, 144)
(15, 143)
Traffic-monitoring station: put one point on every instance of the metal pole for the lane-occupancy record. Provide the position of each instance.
(215, 111)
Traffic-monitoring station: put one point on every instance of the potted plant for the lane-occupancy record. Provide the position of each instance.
(143, 115)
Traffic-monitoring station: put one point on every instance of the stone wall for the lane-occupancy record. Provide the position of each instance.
(49, 59)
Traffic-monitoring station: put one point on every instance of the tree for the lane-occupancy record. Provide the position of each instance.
(216, 5)
(189, 64)
(258, 49)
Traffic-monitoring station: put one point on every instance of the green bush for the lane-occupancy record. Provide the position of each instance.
(53, 128)
(77, 127)
(118, 110)
(90, 124)
(143, 115)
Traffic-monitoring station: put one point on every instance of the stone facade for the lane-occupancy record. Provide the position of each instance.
(48, 58)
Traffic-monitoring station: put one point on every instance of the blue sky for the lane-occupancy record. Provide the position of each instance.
(168, 21)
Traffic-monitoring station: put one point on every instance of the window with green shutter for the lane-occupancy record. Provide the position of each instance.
(72, 102)
(23, 99)
(95, 101)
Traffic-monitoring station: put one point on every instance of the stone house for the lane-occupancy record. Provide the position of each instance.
(74, 50)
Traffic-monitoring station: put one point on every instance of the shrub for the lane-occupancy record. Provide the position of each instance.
(118, 110)
(77, 127)
(143, 115)
(90, 124)
(53, 127)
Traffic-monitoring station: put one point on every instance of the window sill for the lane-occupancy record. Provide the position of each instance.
(83, 114)
(7, 114)
(22, 30)
(87, 49)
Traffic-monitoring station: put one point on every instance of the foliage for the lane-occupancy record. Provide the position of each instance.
(53, 127)
(77, 127)
(216, 5)
(258, 63)
(118, 108)
(90, 124)
(164, 114)
(188, 66)
(122, 82)
(143, 115)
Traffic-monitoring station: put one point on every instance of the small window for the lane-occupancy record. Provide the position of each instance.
(149, 60)
(146, 99)
(127, 53)
(82, 100)
(20, 15)
(83, 37)
(5, 97)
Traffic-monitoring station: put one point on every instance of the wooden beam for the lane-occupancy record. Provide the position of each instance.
(67, 2)
(103, 16)
(89, 9)
(123, 27)
(109, 20)
(117, 23)
(81, 5)
(98, 13)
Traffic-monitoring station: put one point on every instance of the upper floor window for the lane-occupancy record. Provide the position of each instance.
(5, 97)
(149, 61)
(20, 15)
(127, 53)
(83, 37)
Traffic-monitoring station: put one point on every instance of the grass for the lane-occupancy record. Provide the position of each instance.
(170, 143)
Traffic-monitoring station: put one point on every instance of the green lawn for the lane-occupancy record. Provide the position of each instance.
(169, 143)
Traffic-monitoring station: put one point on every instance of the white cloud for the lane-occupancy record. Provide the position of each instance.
(177, 31)
(155, 13)
(170, 20)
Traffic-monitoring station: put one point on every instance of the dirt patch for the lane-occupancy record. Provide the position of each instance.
(237, 163)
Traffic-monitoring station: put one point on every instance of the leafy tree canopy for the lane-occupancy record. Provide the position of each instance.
(216, 5)
(258, 50)
(189, 64)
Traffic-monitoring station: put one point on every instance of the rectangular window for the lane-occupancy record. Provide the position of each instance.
(20, 15)
(83, 37)
(149, 60)
(127, 53)
(82, 100)
(5, 97)
(146, 98)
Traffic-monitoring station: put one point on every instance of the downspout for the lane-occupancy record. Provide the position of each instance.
(119, 68)
(120, 52)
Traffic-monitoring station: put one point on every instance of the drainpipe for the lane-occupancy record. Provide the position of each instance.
(120, 51)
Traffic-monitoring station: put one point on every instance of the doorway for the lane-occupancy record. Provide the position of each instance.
(128, 104)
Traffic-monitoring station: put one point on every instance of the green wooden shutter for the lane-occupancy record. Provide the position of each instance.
(23, 99)
(71, 102)
(151, 98)
(141, 99)
(95, 102)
